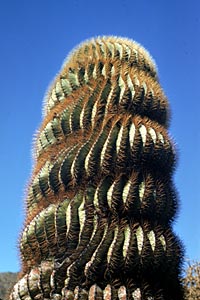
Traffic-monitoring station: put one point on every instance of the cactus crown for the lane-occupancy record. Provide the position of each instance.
(101, 198)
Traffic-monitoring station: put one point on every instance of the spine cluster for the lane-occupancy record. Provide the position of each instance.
(101, 198)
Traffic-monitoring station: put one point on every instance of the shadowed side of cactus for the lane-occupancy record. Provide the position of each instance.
(101, 199)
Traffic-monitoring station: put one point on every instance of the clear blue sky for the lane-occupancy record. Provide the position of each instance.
(36, 36)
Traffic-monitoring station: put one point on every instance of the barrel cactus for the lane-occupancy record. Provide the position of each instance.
(101, 200)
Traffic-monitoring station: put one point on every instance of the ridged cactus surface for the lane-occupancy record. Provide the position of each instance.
(101, 199)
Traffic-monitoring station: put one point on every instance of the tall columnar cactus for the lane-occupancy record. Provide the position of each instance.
(101, 199)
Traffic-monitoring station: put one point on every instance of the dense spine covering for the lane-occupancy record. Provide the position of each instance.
(101, 199)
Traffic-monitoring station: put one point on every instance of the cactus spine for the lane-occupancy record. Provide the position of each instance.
(101, 199)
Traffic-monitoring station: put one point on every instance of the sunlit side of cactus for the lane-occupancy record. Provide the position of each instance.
(101, 198)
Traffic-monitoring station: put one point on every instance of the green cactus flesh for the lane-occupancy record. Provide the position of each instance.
(101, 200)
